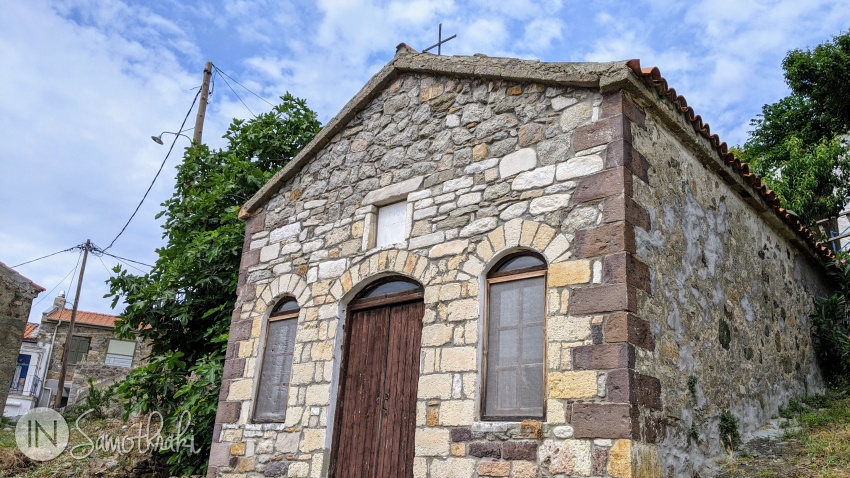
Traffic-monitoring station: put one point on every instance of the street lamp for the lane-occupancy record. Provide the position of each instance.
(158, 139)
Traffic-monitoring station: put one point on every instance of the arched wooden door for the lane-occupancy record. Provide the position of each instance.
(376, 408)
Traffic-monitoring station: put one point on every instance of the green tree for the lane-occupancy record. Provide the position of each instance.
(797, 144)
(182, 307)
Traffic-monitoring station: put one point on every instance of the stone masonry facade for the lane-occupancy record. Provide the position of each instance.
(16, 295)
(494, 156)
(730, 303)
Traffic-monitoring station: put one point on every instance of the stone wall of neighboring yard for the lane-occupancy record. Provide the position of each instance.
(16, 295)
(731, 295)
(487, 167)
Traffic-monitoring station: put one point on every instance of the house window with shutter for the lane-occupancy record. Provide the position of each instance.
(515, 340)
(273, 389)
(120, 353)
(79, 349)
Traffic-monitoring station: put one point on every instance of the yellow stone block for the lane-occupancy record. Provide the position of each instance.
(240, 390)
(645, 460)
(620, 459)
(237, 449)
(479, 151)
(568, 273)
(458, 449)
(573, 384)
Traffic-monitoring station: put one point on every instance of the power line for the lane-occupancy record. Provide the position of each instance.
(61, 281)
(45, 257)
(237, 95)
(240, 84)
(125, 259)
(176, 137)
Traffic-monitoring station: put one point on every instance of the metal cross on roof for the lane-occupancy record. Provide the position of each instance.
(440, 41)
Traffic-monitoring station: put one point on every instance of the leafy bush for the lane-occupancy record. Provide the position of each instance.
(831, 326)
(729, 434)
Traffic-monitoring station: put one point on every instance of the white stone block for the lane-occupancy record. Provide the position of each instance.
(285, 232)
(514, 211)
(576, 115)
(517, 162)
(536, 178)
(332, 269)
(546, 204)
(427, 240)
(393, 192)
(448, 248)
(269, 253)
(481, 166)
(561, 102)
(469, 199)
(479, 226)
(455, 184)
(579, 166)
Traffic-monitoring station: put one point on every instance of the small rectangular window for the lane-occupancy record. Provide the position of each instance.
(277, 364)
(392, 220)
(120, 353)
(79, 349)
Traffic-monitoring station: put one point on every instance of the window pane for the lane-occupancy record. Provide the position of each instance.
(121, 347)
(388, 288)
(274, 378)
(520, 262)
(285, 307)
(515, 349)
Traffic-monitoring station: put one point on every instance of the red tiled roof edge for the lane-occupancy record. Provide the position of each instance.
(30, 328)
(84, 317)
(653, 79)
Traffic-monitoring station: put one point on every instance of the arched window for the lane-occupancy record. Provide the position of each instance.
(273, 390)
(515, 340)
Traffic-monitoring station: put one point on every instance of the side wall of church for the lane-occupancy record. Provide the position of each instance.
(730, 300)
(486, 167)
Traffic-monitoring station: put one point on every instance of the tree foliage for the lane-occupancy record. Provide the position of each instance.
(831, 326)
(182, 307)
(799, 143)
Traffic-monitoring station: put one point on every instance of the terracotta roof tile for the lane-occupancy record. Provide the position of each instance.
(31, 331)
(653, 79)
(83, 317)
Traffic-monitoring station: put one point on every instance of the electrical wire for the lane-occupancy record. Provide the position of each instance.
(176, 137)
(125, 259)
(237, 95)
(240, 84)
(45, 257)
(79, 258)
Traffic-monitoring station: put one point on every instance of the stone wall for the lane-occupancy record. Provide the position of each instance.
(93, 364)
(487, 167)
(731, 295)
(102, 376)
(16, 295)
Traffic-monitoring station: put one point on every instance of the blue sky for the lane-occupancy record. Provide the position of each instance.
(85, 83)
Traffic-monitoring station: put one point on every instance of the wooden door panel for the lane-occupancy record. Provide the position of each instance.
(377, 413)
(360, 412)
(401, 380)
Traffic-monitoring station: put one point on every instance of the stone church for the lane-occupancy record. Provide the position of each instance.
(490, 267)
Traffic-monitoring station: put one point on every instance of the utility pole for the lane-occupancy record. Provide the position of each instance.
(60, 387)
(202, 106)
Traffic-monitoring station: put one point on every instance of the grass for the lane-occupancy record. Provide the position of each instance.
(825, 432)
(14, 464)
